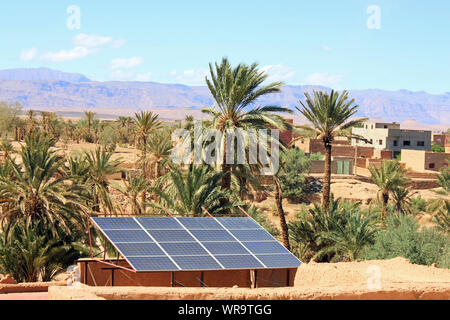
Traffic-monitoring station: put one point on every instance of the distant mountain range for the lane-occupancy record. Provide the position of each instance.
(46, 89)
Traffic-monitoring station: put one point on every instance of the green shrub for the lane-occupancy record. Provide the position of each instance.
(437, 148)
(295, 164)
(402, 238)
(29, 255)
(261, 218)
(418, 204)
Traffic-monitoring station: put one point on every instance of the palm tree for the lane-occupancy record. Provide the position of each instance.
(329, 115)
(146, 123)
(444, 178)
(160, 147)
(31, 114)
(134, 187)
(188, 193)
(346, 241)
(90, 118)
(388, 177)
(7, 148)
(100, 167)
(402, 200)
(442, 218)
(235, 92)
(36, 188)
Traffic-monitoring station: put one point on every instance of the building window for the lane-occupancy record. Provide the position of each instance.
(385, 126)
(406, 143)
(420, 143)
(395, 143)
(431, 166)
(380, 142)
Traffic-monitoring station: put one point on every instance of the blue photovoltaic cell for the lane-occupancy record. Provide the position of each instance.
(127, 235)
(196, 262)
(231, 223)
(200, 223)
(184, 249)
(279, 260)
(238, 261)
(241, 245)
(252, 235)
(212, 235)
(140, 249)
(159, 223)
(152, 264)
(265, 247)
(117, 223)
(171, 236)
(225, 248)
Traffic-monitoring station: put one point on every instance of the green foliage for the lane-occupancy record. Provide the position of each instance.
(437, 148)
(294, 167)
(262, 219)
(109, 138)
(442, 217)
(418, 204)
(29, 255)
(339, 233)
(403, 238)
(9, 115)
(188, 193)
(316, 156)
(444, 179)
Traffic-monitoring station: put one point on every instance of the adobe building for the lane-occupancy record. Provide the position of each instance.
(424, 161)
(438, 139)
(389, 136)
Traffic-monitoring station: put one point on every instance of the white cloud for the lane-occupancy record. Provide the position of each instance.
(130, 75)
(126, 63)
(29, 54)
(190, 77)
(95, 41)
(324, 79)
(68, 55)
(144, 77)
(278, 72)
(325, 48)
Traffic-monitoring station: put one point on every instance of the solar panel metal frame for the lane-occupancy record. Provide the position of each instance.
(213, 256)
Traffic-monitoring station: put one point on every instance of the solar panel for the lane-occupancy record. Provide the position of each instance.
(287, 260)
(152, 264)
(239, 261)
(182, 249)
(212, 235)
(240, 223)
(172, 236)
(225, 247)
(200, 223)
(159, 223)
(171, 244)
(196, 262)
(265, 247)
(127, 236)
(140, 249)
(252, 235)
(116, 223)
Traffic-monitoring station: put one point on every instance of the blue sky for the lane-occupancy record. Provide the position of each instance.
(298, 42)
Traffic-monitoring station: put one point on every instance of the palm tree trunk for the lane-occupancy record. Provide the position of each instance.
(327, 177)
(226, 169)
(383, 206)
(283, 224)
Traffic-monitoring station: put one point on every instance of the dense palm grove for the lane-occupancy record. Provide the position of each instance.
(48, 192)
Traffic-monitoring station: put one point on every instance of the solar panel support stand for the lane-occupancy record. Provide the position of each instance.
(172, 279)
(254, 278)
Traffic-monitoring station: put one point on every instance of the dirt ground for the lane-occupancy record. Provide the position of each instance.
(377, 279)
